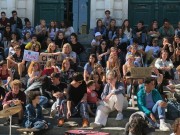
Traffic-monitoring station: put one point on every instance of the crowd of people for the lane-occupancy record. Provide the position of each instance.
(102, 85)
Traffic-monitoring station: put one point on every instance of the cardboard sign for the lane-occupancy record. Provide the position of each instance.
(30, 55)
(43, 58)
(141, 72)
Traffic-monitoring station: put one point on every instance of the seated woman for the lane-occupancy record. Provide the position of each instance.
(51, 48)
(113, 63)
(16, 61)
(165, 65)
(60, 40)
(67, 53)
(48, 70)
(5, 74)
(34, 72)
(113, 99)
(166, 45)
(100, 71)
(102, 53)
(88, 68)
(33, 113)
(176, 54)
(137, 56)
(66, 72)
(99, 86)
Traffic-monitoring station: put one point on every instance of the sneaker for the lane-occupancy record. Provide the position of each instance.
(60, 122)
(53, 113)
(164, 127)
(44, 111)
(119, 116)
(95, 125)
(85, 123)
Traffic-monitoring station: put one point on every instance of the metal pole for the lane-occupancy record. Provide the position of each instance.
(10, 117)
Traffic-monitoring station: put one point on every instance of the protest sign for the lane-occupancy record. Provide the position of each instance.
(43, 58)
(30, 55)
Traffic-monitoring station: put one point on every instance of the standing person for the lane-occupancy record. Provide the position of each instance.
(107, 18)
(150, 102)
(113, 99)
(14, 98)
(77, 98)
(16, 23)
(33, 113)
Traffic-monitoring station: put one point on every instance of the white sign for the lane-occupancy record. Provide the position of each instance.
(30, 55)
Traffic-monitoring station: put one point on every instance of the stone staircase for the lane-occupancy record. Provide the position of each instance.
(113, 127)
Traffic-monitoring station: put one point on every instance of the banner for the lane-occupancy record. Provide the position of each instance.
(43, 58)
(30, 55)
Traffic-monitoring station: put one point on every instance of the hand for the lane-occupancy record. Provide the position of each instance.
(162, 104)
(68, 114)
(58, 94)
(152, 117)
(17, 102)
(83, 100)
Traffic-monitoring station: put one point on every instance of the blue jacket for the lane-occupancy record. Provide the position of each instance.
(141, 95)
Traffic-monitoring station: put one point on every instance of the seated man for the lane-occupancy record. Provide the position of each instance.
(76, 100)
(150, 102)
(16, 61)
(15, 97)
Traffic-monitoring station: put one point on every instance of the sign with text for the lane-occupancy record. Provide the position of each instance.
(43, 58)
(30, 55)
(141, 71)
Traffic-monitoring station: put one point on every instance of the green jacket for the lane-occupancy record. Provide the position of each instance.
(141, 95)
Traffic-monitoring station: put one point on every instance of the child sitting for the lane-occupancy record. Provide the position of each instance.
(92, 97)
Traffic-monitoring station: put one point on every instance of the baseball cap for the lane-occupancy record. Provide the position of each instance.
(97, 34)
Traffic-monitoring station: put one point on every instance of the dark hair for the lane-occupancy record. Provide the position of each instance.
(32, 95)
(56, 75)
(165, 51)
(58, 34)
(3, 12)
(75, 35)
(34, 35)
(14, 11)
(3, 62)
(123, 26)
(107, 11)
(94, 56)
(95, 73)
(141, 21)
(137, 124)
(148, 80)
(77, 77)
(50, 27)
(26, 20)
(24, 37)
(165, 20)
(117, 32)
(97, 22)
(89, 83)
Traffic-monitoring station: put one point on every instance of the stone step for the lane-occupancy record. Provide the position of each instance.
(61, 131)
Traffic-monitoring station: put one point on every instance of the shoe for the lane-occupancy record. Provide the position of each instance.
(95, 125)
(119, 116)
(53, 113)
(60, 122)
(85, 123)
(164, 127)
(44, 111)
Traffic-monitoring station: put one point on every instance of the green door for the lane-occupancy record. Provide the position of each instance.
(149, 10)
(49, 10)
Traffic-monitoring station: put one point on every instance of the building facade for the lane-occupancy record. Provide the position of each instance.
(86, 12)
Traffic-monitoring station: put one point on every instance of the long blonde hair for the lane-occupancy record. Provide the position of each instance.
(30, 69)
(67, 45)
(49, 49)
(64, 61)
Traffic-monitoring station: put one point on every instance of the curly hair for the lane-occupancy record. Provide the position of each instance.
(137, 124)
